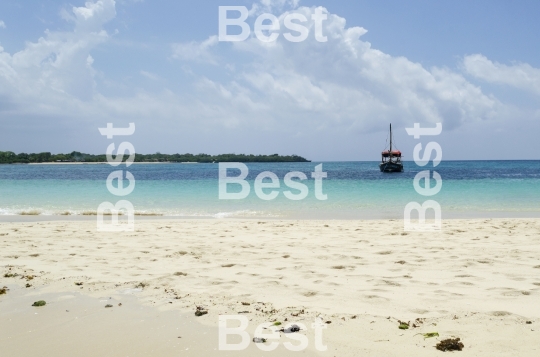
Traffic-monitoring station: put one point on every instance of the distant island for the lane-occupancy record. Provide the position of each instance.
(8, 157)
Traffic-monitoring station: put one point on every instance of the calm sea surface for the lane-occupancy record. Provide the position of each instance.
(354, 190)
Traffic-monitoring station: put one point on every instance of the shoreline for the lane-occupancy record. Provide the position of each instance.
(308, 217)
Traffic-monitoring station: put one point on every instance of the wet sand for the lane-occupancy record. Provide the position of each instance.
(72, 324)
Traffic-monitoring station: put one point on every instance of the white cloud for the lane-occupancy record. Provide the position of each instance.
(287, 91)
(59, 65)
(273, 6)
(2, 24)
(150, 75)
(520, 75)
(348, 83)
(195, 51)
(280, 3)
(341, 83)
(94, 15)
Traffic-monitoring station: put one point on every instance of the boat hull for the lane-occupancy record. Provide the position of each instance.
(391, 167)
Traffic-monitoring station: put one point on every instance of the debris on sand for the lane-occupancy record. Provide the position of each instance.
(39, 303)
(404, 325)
(201, 310)
(4, 290)
(259, 340)
(450, 344)
(108, 305)
(78, 283)
(429, 334)
(292, 329)
(246, 303)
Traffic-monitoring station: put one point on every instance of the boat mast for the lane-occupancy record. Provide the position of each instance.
(390, 139)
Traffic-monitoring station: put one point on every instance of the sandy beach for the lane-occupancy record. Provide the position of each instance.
(265, 165)
(478, 280)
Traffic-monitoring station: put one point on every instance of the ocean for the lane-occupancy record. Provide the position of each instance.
(354, 190)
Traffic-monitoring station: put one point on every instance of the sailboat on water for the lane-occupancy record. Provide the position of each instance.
(391, 159)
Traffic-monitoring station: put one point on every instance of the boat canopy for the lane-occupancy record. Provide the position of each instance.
(387, 153)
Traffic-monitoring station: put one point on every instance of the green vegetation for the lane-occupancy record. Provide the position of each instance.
(8, 157)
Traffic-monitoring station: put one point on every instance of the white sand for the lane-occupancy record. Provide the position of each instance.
(478, 279)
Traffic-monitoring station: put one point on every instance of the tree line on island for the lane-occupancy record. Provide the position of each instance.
(8, 157)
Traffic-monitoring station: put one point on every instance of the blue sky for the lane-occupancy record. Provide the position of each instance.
(67, 68)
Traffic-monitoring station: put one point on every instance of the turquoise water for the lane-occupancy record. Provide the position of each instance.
(354, 190)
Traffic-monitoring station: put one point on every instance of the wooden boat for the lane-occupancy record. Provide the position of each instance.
(391, 159)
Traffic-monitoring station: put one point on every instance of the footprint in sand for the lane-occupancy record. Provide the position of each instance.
(513, 292)
(501, 313)
(459, 283)
(343, 267)
(389, 282)
(376, 298)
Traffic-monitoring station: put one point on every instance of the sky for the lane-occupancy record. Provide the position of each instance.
(69, 68)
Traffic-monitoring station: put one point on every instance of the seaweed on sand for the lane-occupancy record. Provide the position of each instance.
(450, 344)
(404, 325)
(201, 311)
